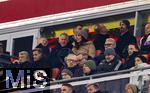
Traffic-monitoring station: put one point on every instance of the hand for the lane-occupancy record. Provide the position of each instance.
(16, 61)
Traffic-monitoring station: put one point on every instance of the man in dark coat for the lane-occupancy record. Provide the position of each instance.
(110, 63)
(43, 44)
(24, 61)
(125, 38)
(72, 65)
(100, 38)
(133, 51)
(39, 60)
(62, 49)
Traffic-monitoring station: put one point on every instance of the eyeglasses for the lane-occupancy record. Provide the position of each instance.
(70, 60)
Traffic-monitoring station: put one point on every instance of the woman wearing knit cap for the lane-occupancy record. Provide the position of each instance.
(89, 68)
(131, 88)
(82, 44)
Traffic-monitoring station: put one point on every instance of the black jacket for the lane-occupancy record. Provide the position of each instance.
(99, 41)
(130, 60)
(123, 42)
(45, 49)
(105, 66)
(26, 64)
(77, 71)
(59, 53)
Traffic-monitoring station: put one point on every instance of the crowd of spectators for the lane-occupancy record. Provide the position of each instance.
(77, 55)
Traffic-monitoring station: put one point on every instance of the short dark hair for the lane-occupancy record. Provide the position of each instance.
(37, 49)
(126, 22)
(68, 85)
(96, 85)
(77, 24)
(135, 45)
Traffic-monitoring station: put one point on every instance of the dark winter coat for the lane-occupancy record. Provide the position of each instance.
(105, 66)
(77, 71)
(130, 60)
(58, 54)
(123, 42)
(45, 49)
(26, 64)
(99, 41)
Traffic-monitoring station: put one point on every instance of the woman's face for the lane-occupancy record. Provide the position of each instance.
(148, 88)
(78, 38)
(86, 69)
(138, 61)
(128, 90)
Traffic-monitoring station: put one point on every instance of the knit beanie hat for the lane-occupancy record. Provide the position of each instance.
(126, 22)
(110, 51)
(67, 71)
(91, 64)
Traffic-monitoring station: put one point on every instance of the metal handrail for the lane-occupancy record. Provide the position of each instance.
(99, 75)
(84, 78)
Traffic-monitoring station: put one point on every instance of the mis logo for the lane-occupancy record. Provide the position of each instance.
(26, 78)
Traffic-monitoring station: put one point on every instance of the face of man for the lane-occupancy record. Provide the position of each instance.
(91, 89)
(65, 76)
(77, 29)
(109, 57)
(23, 58)
(65, 89)
(63, 40)
(78, 37)
(123, 27)
(147, 29)
(86, 69)
(109, 44)
(71, 60)
(131, 49)
(37, 56)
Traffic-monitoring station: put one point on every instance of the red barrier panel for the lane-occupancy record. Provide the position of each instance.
(21, 9)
